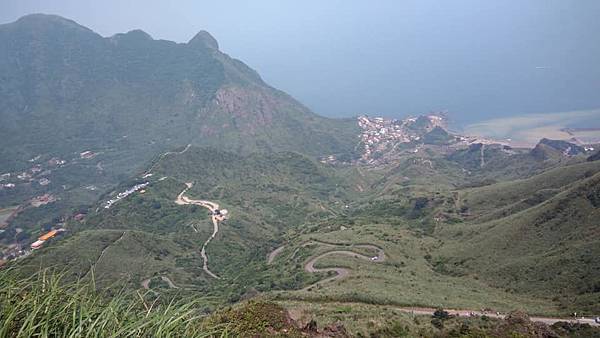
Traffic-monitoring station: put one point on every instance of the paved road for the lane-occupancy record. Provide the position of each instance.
(468, 313)
(271, 256)
(146, 283)
(343, 272)
(339, 271)
(183, 200)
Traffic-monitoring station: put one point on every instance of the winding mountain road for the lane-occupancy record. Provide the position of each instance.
(344, 272)
(340, 272)
(146, 283)
(183, 200)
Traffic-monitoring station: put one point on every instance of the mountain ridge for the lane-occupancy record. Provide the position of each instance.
(90, 74)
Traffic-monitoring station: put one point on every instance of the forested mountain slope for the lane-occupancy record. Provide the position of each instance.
(74, 89)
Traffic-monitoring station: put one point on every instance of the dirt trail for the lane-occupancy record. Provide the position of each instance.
(165, 154)
(271, 256)
(183, 200)
(93, 266)
(340, 272)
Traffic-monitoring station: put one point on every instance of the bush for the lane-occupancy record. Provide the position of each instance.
(441, 314)
(437, 323)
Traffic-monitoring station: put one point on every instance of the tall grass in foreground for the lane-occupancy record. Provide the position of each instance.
(46, 305)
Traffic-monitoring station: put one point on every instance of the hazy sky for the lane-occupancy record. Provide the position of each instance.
(477, 59)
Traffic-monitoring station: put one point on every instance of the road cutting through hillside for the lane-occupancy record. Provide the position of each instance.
(340, 272)
(271, 256)
(146, 283)
(165, 154)
(183, 200)
(344, 272)
(491, 314)
(93, 266)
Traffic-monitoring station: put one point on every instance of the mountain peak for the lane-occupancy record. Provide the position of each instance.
(48, 26)
(203, 38)
(43, 17)
(48, 19)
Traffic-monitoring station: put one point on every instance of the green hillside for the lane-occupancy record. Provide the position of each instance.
(148, 235)
(426, 224)
(65, 91)
(518, 244)
(537, 236)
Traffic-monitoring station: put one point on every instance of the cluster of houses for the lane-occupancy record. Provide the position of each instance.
(379, 134)
(126, 193)
(20, 248)
(37, 172)
(17, 250)
(11, 252)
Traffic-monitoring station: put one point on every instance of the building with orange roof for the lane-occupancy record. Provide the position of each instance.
(48, 235)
